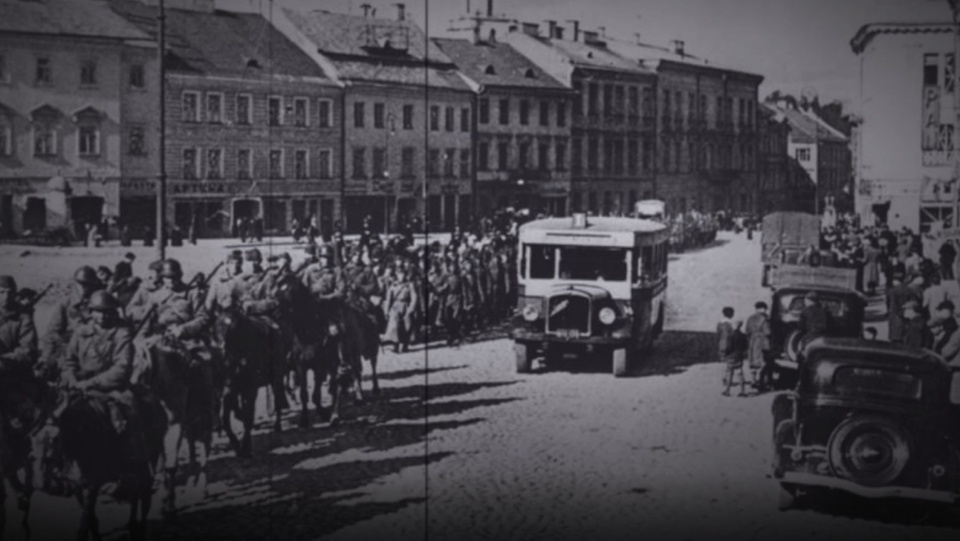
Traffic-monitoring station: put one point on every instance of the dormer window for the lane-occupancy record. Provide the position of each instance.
(253, 64)
(490, 70)
(530, 74)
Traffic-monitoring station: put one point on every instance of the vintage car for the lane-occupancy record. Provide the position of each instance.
(872, 419)
(833, 288)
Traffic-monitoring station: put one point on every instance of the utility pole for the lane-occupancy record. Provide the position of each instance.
(162, 177)
(955, 8)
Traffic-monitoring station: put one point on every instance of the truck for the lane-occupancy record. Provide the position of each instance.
(785, 237)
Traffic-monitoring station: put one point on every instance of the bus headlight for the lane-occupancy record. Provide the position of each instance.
(607, 315)
(531, 312)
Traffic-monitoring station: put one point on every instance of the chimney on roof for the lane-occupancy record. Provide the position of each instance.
(493, 36)
(401, 12)
(489, 8)
(576, 29)
(678, 47)
(366, 9)
(551, 28)
(531, 29)
(603, 31)
(590, 37)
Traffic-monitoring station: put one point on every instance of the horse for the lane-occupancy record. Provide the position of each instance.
(314, 349)
(185, 388)
(252, 352)
(79, 434)
(23, 398)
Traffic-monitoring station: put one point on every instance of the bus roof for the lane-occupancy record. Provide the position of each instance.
(595, 225)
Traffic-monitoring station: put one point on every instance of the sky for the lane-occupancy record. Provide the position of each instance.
(797, 45)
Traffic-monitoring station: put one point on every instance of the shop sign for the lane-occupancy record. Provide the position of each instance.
(137, 187)
(17, 186)
(246, 188)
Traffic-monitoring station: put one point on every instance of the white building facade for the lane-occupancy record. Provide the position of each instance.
(906, 173)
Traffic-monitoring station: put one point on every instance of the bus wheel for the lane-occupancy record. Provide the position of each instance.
(621, 362)
(524, 359)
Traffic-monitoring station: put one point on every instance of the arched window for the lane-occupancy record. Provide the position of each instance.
(490, 70)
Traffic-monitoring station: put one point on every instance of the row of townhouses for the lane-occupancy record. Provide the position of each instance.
(332, 117)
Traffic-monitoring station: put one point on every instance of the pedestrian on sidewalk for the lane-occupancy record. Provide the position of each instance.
(731, 346)
(758, 351)
(897, 296)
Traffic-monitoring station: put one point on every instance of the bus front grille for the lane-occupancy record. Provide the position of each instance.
(568, 314)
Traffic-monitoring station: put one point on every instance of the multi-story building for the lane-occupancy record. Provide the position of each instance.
(253, 124)
(523, 120)
(64, 78)
(823, 153)
(782, 183)
(906, 142)
(614, 120)
(408, 117)
(707, 141)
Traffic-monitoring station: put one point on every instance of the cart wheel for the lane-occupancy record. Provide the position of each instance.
(524, 360)
(621, 362)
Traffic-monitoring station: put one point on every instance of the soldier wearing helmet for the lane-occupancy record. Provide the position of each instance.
(220, 294)
(18, 337)
(140, 302)
(323, 278)
(69, 313)
(361, 285)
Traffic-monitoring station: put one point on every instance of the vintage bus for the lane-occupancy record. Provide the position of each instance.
(590, 285)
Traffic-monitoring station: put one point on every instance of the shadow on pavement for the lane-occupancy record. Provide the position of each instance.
(416, 372)
(671, 354)
(889, 511)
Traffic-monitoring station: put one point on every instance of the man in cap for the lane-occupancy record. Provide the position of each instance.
(18, 337)
(814, 319)
(362, 284)
(69, 314)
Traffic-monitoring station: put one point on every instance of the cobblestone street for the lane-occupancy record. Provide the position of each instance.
(565, 452)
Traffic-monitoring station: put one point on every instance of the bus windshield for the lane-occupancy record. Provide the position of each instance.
(580, 263)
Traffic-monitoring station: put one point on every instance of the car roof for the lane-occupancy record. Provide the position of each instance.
(602, 224)
(873, 351)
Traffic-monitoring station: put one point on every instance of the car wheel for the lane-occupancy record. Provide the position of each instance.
(787, 497)
(524, 359)
(871, 451)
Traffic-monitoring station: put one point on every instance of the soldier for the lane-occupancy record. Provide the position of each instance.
(452, 304)
(69, 314)
(98, 362)
(18, 336)
(221, 293)
(324, 280)
(362, 284)
(139, 304)
(401, 302)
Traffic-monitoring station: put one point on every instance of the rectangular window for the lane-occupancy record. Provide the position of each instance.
(359, 163)
(504, 111)
(448, 119)
(524, 112)
(214, 163)
(646, 156)
(561, 114)
(359, 115)
(618, 101)
(43, 76)
(136, 77)
(931, 69)
(544, 113)
(543, 156)
(633, 103)
(276, 164)
(244, 109)
(632, 156)
(465, 119)
(191, 164)
(448, 157)
(593, 153)
(483, 156)
(89, 141)
(275, 111)
(324, 113)
(300, 166)
(434, 118)
(464, 163)
(433, 163)
(608, 106)
(523, 157)
(244, 164)
(214, 107)
(803, 154)
(379, 113)
(647, 105)
(325, 163)
(300, 113)
(578, 98)
(4, 74)
(407, 156)
(560, 157)
(666, 157)
(503, 156)
(137, 145)
(484, 111)
(379, 163)
(576, 156)
(88, 73)
(408, 117)
(607, 156)
(190, 107)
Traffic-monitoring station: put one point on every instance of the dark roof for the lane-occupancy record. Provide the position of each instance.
(222, 42)
(338, 34)
(805, 129)
(66, 18)
(509, 67)
(868, 31)
(873, 350)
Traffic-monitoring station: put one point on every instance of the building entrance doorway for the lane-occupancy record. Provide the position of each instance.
(85, 210)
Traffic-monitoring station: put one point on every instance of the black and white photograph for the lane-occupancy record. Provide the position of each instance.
(480, 270)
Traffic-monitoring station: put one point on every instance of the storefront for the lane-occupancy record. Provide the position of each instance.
(30, 206)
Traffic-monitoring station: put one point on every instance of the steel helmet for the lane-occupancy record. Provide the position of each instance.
(253, 254)
(101, 301)
(87, 276)
(7, 282)
(171, 269)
